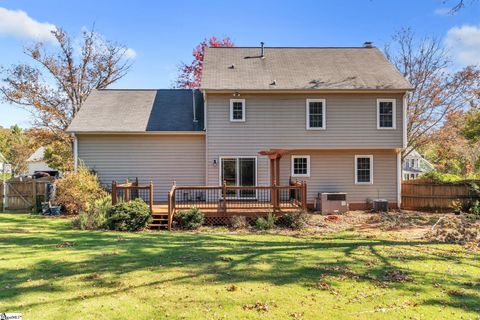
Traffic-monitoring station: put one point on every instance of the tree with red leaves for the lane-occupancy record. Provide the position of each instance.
(189, 75)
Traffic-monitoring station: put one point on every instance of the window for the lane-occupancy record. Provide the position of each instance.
(300, 166)
(386, 113)
(237, 110)
(363, 169)
(315, 114)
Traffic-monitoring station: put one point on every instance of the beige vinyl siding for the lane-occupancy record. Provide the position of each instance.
(159, 158)
(334, 171)
(278, 121)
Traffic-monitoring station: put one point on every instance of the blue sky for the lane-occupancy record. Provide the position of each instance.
(162, 34)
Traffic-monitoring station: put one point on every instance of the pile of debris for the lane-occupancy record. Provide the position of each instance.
(456, 229)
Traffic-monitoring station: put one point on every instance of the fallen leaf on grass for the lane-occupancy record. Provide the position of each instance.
(325, 286)
(108, 254)
(259, 306)
(457, 293)
(232, 288)
(225, 258)
(92, 276)
(396, 275)
(296, 315)
(65, 244)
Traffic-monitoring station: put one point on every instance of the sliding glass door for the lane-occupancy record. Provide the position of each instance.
(239, 171)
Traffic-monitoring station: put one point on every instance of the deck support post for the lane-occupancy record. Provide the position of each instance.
(304, 195)
(224, 195)
(275, 197)
(114, 192)
(150, 195)
(127, 191)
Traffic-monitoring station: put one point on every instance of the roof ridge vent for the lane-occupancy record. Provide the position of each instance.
(368, 44)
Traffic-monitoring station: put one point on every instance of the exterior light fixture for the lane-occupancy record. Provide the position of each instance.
(215, 162)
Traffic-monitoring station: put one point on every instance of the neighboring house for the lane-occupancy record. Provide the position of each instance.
(414, 165)
(335, 116)
(36, 163)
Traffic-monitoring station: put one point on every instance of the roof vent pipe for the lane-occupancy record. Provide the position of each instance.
(262, 52)
(368, 44)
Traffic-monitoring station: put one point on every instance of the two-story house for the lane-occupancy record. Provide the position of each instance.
(332, 117)
(414, 164)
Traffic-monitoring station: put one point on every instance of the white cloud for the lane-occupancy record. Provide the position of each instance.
(19, 24)
(464, 44)
(442, 11)
(130, 53)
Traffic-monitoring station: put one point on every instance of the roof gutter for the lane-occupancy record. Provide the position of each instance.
(309, 91)
(160, 133)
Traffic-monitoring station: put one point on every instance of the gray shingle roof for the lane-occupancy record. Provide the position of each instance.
(116, 110)
(299, 69)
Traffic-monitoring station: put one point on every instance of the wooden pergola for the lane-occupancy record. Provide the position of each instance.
(274, 155)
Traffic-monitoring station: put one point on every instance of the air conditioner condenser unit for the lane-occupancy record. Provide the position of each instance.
(333, 203)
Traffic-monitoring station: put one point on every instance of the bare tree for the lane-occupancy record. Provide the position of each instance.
(437, 90)
(460, 4)
(55, 89)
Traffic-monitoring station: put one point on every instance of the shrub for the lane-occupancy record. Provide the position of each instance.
(474, 211)
(190, 219)
(239, 222)
(128, 216)
(95, 217)
(77, 190)
(265, 223)
(295, 220)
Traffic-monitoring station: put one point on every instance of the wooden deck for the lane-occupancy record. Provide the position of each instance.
(218, 203)
(212, 215)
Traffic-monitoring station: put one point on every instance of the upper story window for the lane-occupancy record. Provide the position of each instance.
(300, 166)
(315, 114)
(364, 169)
(237, 110)
(386, 113)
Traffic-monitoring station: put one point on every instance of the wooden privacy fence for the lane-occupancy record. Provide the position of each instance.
(124, 192)
(21, 193)
(430, 195)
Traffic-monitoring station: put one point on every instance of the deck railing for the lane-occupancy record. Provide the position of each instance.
(230, 198)
(124, 192)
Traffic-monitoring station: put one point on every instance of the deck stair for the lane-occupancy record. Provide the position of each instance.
(159, 217)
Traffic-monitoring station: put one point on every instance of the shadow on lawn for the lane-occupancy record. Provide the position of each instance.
(221, 258)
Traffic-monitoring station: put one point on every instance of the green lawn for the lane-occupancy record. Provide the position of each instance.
(177, 275)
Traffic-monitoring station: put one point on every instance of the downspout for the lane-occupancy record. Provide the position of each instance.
(404, 146)
(399, 178)
(75, 152)
(405, 120)
(194, 106)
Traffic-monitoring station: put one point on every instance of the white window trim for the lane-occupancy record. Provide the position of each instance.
(371, 169)
(243, 110)
(394, 114)
(324, 117)
(292, 166)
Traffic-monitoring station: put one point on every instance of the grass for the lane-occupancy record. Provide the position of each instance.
(49, 271)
